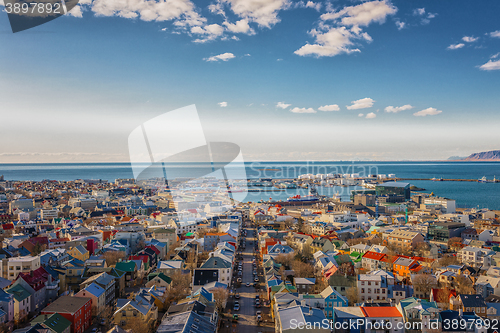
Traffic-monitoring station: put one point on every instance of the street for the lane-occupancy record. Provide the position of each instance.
(247, 319)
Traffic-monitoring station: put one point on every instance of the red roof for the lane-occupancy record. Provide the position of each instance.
(36, 279)
(374, 255)
(144, 258)
(153, 248)
(42, 240)
(380, 311)
(8, 226)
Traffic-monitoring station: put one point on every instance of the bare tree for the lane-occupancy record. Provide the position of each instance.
(285, 259)
(423, 283)
(191, 260)
(138, 325)
(302, 269)
(352, 295)
(112, 257)
(171, 251)
(442, 297)
(220, 298)
(447, 261)
(421, 249)
(464, 285)
(181, 286)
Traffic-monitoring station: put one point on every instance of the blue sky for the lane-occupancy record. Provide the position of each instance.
(286, 80)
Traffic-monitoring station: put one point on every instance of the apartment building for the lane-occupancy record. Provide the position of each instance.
(18, 265)
(476, 257)
(372, 288)
(404, 238)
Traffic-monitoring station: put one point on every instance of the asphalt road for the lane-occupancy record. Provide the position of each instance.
(247, 322)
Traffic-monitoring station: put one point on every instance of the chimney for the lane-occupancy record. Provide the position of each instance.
(460, 312)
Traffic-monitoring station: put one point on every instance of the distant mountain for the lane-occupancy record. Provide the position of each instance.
(493, 155)
(456, 158)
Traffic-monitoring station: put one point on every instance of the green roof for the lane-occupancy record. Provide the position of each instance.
(161, 276)
(126, 266)
(55, 322)
(19, 292)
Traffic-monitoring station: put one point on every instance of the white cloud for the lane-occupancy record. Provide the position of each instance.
(455, 46)
(495, 34)
(371, 115)
(363, 103)
(329, 44)
(333, 107)
(223, 56)
(331, 41)
(309, 4)
(303, 110)
(222, 104)
(315, 5)
(362, 14)
(149, 10)
(217, 8)
(426, 19)
(419, 12)
(361, 115)
(469, 39)
(400, 25)
(262, 12)
(282, 105)
(209, 32)
(491, 66)
(75, 11)
(240, 26)
(396, 109)
(427, 112)
(495, 55)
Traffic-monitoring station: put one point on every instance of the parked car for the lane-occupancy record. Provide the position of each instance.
(248, 284)
(235, 318)
(236, 307)
(237, 296)
(259, 318)
(256, 279)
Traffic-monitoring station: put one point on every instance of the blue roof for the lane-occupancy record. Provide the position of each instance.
(95, 289)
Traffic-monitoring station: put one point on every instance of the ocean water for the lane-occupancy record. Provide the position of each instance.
(467, 194)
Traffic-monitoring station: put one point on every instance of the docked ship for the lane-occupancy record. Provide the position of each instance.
(485, 180)
(305, 198)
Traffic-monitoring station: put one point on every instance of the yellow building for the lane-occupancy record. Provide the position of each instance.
(79, 252)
